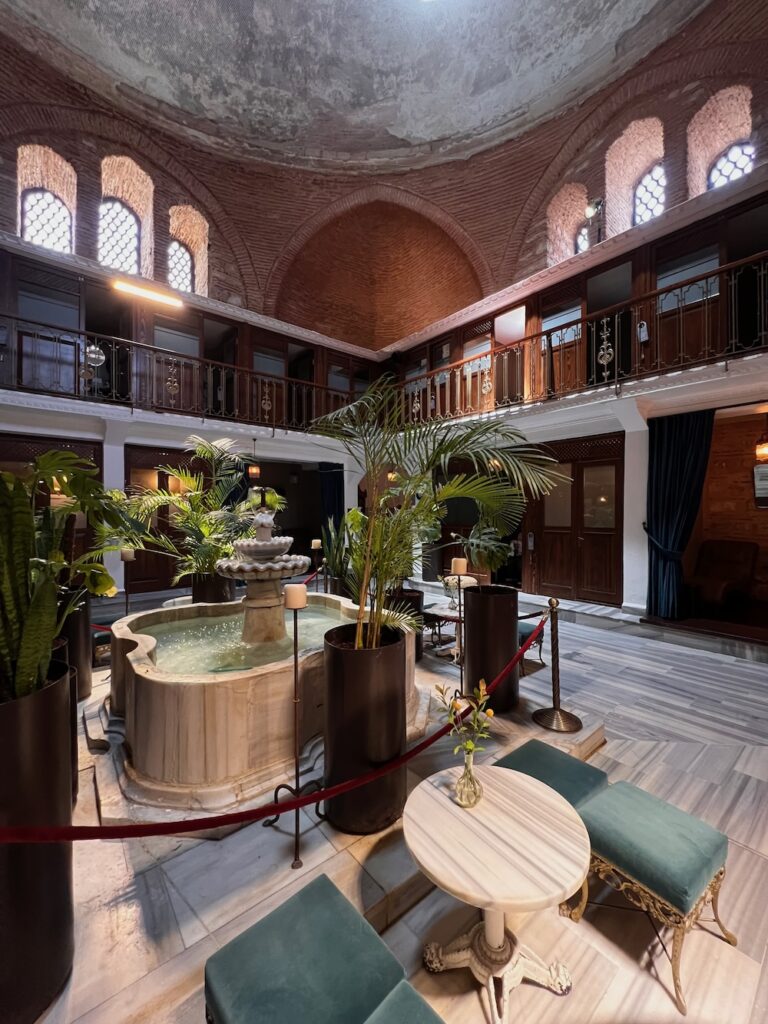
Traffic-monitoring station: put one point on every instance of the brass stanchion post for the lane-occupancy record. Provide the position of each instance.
(555, 718)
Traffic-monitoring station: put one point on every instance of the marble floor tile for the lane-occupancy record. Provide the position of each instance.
(753, 761)
(220, 879)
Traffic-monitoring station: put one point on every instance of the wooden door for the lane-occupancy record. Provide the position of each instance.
(572, 543)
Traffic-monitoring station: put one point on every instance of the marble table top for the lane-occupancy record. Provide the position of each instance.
(523, 847)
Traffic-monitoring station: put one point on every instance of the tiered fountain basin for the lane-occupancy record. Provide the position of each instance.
(208, 717)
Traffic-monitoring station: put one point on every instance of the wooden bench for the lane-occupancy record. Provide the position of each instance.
(663, 860)
(313, 959)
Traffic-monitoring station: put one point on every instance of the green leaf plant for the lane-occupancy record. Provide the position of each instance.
(204, 514)
(42, 580)
(408, 480)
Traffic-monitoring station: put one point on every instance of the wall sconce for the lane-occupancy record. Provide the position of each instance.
(594, 209)
(761, 445)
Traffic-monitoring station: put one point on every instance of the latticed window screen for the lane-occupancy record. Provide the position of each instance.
(650, 195)
(180, 267)
(118, 236)
(581, 243)
(45, 220)
(734, 163)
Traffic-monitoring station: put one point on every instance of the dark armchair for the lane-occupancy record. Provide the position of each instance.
(724, 571)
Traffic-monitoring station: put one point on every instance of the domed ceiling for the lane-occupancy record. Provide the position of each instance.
(345, 83)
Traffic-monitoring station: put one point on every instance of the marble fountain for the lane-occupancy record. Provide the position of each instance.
(202, 695)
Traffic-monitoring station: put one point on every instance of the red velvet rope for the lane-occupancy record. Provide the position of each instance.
(53, 834)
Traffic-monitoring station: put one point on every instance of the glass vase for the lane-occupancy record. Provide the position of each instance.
(469, 792)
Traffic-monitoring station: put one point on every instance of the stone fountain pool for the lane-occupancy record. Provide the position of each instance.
(207, 717)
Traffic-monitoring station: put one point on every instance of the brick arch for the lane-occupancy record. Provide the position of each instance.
(725, 118)
(565, 215)
(188, 226)
(21, 122)
(375, 273)
(363, 197)
(123, 179)
(714, 63)
(631, 155)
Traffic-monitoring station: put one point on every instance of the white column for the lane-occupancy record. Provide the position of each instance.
(352, 478)
(114, 477)
(635, 540)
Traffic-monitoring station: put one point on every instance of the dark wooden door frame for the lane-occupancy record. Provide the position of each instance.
(602, 449)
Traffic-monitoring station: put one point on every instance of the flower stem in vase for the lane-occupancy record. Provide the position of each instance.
(469, 791)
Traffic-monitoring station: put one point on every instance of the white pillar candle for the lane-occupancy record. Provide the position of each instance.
(459, 566)
(316, 545)
(295, 595)
(127, 554)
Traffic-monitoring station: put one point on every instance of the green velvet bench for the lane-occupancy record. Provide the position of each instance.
(663, 860)
(524, 630)
(313, 959)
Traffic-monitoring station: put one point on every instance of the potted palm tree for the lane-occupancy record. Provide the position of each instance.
(207, 512)
(36, 923)
(408, 482)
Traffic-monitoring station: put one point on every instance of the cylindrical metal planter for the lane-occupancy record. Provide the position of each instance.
(77, 630)
(414, 600)
(364, 728)
(36, 913)
(210, 588)
(490, 641)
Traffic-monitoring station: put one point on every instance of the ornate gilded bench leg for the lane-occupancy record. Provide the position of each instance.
(677, 953)
(717, 881)
(576, 913)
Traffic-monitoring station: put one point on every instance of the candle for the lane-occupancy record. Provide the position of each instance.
(459, 566)
(295, 595)
(127, 555)
(316, 545)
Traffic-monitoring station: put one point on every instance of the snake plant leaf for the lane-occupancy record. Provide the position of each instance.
(37, 636)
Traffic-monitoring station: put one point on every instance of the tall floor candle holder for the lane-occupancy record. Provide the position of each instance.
(459, 569)
(295, 600)
(555, 718)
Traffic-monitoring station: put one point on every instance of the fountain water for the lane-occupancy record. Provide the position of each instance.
(262, 562)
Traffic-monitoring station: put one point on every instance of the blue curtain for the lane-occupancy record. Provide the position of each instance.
(677, 464)
(331, 492)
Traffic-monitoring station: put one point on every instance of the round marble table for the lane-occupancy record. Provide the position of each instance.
(522, 848)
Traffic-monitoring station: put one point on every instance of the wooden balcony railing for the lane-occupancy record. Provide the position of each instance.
(95, 367)
(715, 316)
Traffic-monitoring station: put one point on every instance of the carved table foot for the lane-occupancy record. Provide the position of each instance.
(499, 969)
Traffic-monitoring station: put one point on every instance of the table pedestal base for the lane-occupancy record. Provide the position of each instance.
(499, 968)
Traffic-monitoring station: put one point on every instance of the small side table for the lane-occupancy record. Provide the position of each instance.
(522, 848)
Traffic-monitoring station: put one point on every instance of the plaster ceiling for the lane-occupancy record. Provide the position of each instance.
(346, 83)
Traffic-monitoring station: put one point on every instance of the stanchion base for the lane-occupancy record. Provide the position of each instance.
(557, 720)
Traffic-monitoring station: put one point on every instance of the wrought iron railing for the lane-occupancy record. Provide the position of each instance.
(715, 316)
(81, 364)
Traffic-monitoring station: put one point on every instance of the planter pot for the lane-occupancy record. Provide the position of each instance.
(414, 600)
(210, 588)
(337, 586)
(36, 913)
(490, 641)
(364, 728)
(77, 630)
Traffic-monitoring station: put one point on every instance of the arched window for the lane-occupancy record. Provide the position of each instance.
(47, 194)
(723, 123)
(181, 268)
(650, 195)
(119, 236)
(581, 242)
(188, 251)
(565, 216)
(639, 147)
(126, 228)
(735, 162)
(45, 220)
